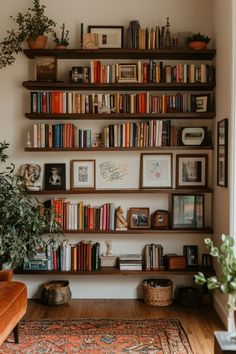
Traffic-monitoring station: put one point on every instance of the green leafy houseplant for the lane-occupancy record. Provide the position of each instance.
(63, 40)
(226, 283)
(22, 222)
(198, 37)
(32, 24)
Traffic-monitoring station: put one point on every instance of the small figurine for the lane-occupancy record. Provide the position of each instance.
(121, 223)
(31, 176)
(109, 248)
(167, 43)
(28, 141)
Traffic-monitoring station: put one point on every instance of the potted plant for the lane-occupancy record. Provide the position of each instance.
(226, 283)
(63, 41)
(22, 222)
(198, 41)
(32, 27)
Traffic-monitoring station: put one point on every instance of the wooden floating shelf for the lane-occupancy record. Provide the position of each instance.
(174, 54)
(206, 230)
(91, 116)
(132, 86)
(115, 271)
(162, 148)
(127, 191)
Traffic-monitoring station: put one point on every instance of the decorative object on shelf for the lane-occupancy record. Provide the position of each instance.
(56, 293)
(197, 41)
(191, 256)
(156, 170)
(158, 292)
(62, 42)
(194, 136)
(46, 68)
(191, 171)
(90, 41)
(32, 26)
(108, 260)
(83, 174)
(77, 74)
(108, 36)
(225, 283)
(160, 219)
(22, 222)
(28, 141)
(139, 218)
(222, 153)
(31, 174)
(200, 102)
(120, 221)
(127, 73)
(55, 176)
(187, 211)
(167, 36)
(174, 262)
(207, 260)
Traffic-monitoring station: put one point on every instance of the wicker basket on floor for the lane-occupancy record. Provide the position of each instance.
(158, 296)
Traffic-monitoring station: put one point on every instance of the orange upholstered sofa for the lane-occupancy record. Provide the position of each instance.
(13, 304)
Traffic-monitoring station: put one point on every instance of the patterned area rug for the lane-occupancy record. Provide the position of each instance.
(100, 337)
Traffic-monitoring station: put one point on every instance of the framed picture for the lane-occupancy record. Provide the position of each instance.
(187, 211)
(139, 218)
(55, 176)
(191, 256)
(191, 171)
(108, 36)
(200, 103)
(222, 153)
(156, 171)
(46, 68)
(127, 73)
(207, 260)
(82, 174)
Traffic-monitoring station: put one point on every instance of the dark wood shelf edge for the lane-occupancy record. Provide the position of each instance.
(205, 230)
(115, 271)
(179, 147)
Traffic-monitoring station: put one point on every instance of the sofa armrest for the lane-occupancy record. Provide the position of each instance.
(6, 275)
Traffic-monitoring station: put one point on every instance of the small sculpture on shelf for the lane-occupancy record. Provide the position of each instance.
(31, 176)
(28, 141)
(109, 248)
(167, 41)
(121, 222)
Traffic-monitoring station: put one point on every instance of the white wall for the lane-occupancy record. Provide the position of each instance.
(185, 15)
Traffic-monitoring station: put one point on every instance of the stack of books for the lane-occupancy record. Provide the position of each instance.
(153, 257)
(130, 262)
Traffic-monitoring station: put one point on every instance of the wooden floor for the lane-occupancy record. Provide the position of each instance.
(199, 323)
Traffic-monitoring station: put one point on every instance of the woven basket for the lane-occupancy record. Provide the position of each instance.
(158, 296)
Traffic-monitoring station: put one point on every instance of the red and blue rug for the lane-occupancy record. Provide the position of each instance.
(100, 336)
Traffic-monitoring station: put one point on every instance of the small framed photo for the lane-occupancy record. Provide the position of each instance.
(127, 73)
(139, 218)
(188, 211)
(200, 103)
(191, 171)
(108, 36)
(46, 68)
(55, 176)
(82, 174)
(207, 260)
(156, 171)
(191, 256)
(222, 153)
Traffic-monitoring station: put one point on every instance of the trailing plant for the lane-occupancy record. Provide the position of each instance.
(30, 25)
(226, 283)
(64, 38)
(23, 222)
(198, 37)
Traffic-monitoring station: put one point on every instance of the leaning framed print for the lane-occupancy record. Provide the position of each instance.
(127, 73)
(191, 256)
(222, 153)
(156, 171)
(46, 68)
(55, 176)
(191, 171)
(200, 102)
(108, 36)
(82, 174)
(139, 218)
(187, 211)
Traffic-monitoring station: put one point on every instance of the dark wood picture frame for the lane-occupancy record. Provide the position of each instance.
(191, 256)
(82, 176)
(46, 69)
(55, 176)
(188, 211)
(144, 171)
(103, 32)
(222, 153)
(201, 102)
(139, 218)
(191, 171)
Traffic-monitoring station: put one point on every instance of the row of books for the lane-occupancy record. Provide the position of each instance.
(149, 134)
(153, 257)
(78, 216)
(144, 38)
(75, 102)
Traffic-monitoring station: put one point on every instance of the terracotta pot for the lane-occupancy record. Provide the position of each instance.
(198, 45)
(38, 43)
(60, 47)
